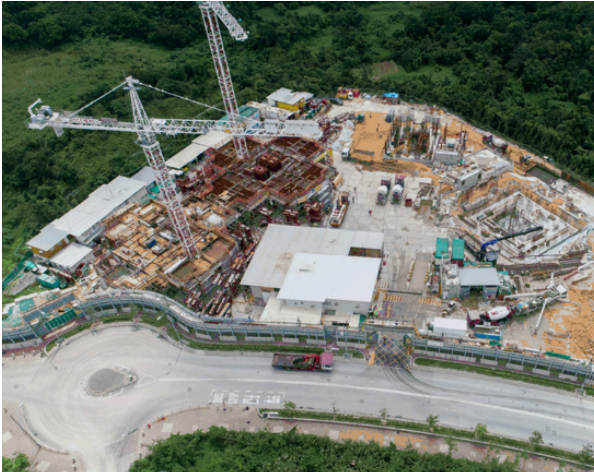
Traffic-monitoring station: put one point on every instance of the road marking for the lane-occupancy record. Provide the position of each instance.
(483, 406)
(112, 394)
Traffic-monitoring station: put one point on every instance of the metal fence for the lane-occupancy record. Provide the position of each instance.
(224, 326)
(535, 362)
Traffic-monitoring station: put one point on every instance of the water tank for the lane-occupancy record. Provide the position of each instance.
(215, 220)
(498, 142)
(382, 190)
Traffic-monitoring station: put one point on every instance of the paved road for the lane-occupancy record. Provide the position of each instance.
(97, 428)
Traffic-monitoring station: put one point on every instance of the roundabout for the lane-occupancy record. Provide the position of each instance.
(81, 399)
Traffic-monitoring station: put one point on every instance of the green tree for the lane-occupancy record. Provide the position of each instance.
(289, 405)
(432, 421)
(586, 454)
(480, 430)
(20, 463)
(536, 439)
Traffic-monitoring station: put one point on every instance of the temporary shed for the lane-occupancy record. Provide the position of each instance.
(338, 283)
(48, 242)
(458, 251)
(84, 222)
(73, 255)
(485, 280)
(280, 243)
(212, 139)
(449, 327)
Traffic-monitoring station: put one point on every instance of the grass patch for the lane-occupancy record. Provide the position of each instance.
(250, 347)
(157, 321)
(424, 428)
(351, 352)
(502, 374)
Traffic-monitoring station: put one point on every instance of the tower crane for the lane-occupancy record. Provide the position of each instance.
(210, 11)
(147, 129)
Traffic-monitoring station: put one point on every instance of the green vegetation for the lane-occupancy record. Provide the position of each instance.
(504, 374)
(249, 347)
(522, 69)
(222, 450)
(351, 352)
(583, 457)
(20, 463)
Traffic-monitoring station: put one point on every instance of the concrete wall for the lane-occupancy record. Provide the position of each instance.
(447, 157)
(352, 307)
(467, 181)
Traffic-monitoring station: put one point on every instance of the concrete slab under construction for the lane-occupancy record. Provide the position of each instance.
(517, 213)
(407, 232)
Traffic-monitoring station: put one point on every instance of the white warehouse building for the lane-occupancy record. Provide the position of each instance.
(315, 275)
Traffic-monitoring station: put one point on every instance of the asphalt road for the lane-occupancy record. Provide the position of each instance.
(101, 430)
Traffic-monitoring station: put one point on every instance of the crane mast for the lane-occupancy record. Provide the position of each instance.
(152, 150)
(210, 11)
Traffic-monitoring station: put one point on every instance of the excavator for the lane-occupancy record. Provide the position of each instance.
(491, 256)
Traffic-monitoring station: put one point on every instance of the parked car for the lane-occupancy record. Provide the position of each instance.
(336, 101)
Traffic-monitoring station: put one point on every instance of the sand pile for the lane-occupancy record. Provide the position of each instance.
(574, 320)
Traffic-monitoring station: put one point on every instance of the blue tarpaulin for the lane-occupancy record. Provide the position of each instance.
(390, 95)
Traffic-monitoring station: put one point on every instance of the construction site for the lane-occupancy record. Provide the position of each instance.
(375, 176)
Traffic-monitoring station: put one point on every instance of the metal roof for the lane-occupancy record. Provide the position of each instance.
(442, 247)
(275, 252)
(71, 256)
(321, 277)
(213, 139)
(47, 238)
(98, 206)
(146, 175)
(478, 278)
(458, 249)
(285, 95)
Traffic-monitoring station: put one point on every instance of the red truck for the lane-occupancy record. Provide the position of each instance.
(304, 362)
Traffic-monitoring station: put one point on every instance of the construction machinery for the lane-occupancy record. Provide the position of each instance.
(210, 12)
(398, 189)
(491, 256)
(340, 209)
(347, 93)
(383, 191)
(301, 362)
(449, 309)
(148, 128)
(492, 317)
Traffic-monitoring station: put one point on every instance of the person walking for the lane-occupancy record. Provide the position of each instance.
(369, 212)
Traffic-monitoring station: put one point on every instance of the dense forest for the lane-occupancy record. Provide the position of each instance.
(522, 69)
(222, 450)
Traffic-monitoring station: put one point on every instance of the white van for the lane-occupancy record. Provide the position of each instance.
(345, 153)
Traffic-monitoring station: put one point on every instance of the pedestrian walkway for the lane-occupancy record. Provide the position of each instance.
(15, 440)
(430, 301)
(238, 419)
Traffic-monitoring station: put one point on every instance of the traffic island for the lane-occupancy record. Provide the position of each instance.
(108, 380)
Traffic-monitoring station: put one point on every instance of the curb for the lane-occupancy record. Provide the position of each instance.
(422, 433)
(508, 381)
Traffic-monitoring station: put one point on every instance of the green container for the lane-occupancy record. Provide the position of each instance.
(48, 281)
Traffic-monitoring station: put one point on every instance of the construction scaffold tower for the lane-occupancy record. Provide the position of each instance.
(210, 11)
(152, 150)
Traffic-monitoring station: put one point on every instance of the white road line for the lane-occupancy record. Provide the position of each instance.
(484, 406)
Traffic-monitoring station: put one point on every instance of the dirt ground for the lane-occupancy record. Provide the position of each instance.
(571, 324)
